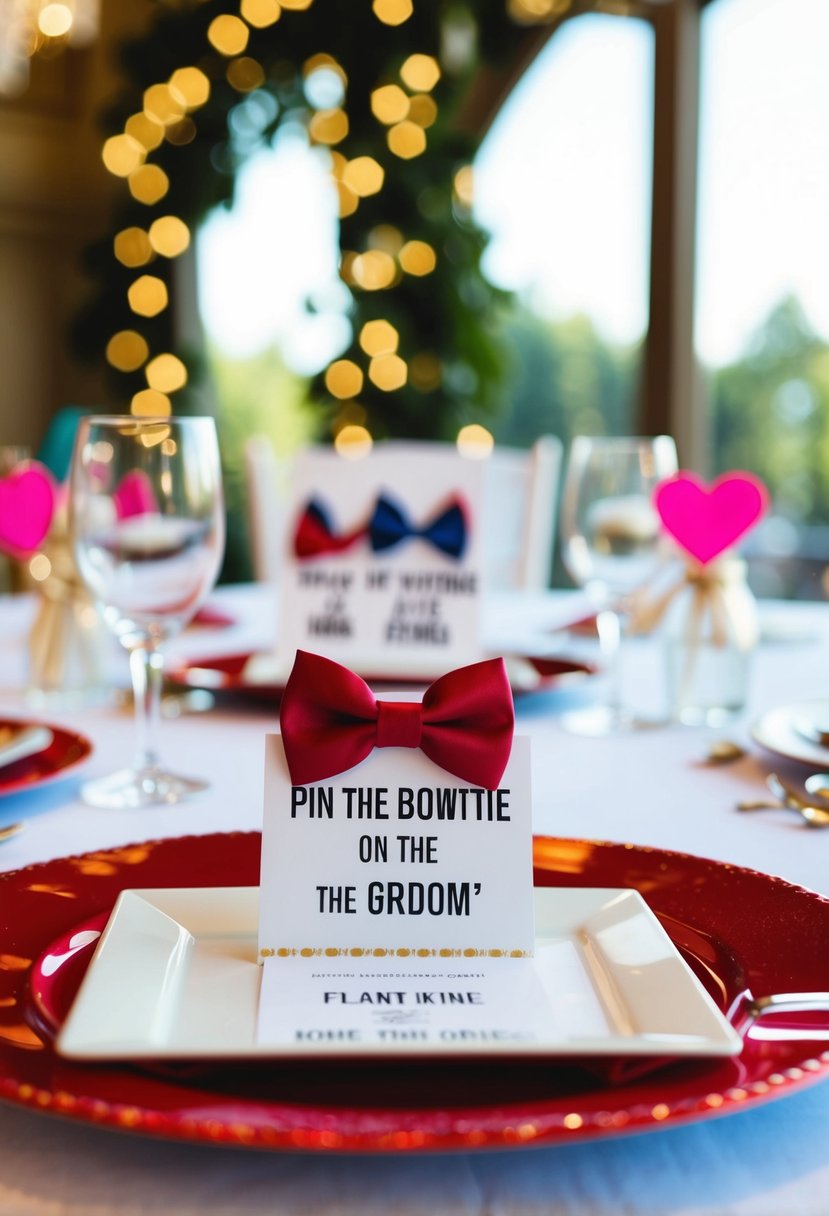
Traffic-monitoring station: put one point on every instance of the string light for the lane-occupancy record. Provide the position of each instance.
(55, 20)
(420, 73)
(163, 104)
(463, 185)
(245, 74)
(132, 247)
(127, 350)
(364, 176)
(474, 441)
(347, 201)
(168, 236)
(148, 184)
(373, 270)
(392, 12)
(328, 126)
(388, 372)
(387, 238)
(145, 130)
(418, 258)
(149, 403)
(166, 373)
(344, 379)
(228, 34)
(379, 338)
(353, 442)
(423, 109)
(389, 104)
(190, 86)
(147, 295)
(122, 155)
(406, 140)
(260, 13)
(297, 6)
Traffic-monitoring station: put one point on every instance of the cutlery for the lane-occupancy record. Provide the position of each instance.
(815, 816)
(16, 743)
(818, 785)
(724, 751)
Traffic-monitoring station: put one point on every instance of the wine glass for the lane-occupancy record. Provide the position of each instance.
(611, 544)
(147, 523)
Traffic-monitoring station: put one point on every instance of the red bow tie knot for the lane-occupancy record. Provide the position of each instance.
(330, 721)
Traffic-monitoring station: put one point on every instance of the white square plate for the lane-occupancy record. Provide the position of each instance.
(175, 975)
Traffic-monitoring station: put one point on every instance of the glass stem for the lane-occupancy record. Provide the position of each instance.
(609, 629)
(146, 665)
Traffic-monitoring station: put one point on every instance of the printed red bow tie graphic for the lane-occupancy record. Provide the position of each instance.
(331, 720)
(314, 534)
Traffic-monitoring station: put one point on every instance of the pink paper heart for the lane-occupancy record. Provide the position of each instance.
(27, 504)
(706, 520)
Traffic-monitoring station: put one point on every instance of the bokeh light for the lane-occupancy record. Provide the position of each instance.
(132, 247)
(475, 441)
(147, 295)
(379, 338)
(420, 73)
(388, 372)
(353, 441)
(344, 379)
(166, 373)
(406, 140)
(127, 350)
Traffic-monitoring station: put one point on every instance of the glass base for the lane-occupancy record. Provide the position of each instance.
(601, 720)
(132, 788)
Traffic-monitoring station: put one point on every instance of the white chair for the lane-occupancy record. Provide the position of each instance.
(266, 508)
(519, 513)
(520, 500)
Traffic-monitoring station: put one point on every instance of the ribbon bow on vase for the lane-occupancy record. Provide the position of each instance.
(331, 720)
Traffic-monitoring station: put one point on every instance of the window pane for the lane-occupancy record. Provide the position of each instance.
(762, 325)
(562, 181)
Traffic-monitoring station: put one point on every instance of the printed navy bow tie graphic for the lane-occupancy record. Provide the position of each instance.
(389, 526)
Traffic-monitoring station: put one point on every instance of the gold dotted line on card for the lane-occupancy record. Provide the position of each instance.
(381, 952)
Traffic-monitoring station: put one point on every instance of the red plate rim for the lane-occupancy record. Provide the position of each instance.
(732, 943)
(554, 673)
(67, 750)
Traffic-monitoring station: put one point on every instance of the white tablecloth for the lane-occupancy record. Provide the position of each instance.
(649, 788)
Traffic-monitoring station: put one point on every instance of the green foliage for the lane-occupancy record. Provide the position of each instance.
(563, 379)
(771, 413)
(446, 313)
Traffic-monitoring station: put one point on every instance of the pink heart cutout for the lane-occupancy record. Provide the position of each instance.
(707, 520)
(27, 504)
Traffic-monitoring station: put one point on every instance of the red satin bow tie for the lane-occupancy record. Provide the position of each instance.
(331, 721)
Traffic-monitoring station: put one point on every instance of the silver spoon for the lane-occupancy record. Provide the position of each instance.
(815, 816)
(818, 785)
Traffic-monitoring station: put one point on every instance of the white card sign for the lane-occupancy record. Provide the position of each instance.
(396, 858)
(382, 565)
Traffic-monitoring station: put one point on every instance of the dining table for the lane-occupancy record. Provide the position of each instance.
(657, 792)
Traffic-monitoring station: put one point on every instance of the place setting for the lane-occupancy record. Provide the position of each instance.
(400, 962)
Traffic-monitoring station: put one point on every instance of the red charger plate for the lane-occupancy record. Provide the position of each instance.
(227, 674)
(65, 751)
(738, 929)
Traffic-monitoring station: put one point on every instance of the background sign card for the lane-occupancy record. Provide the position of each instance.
(382, 568)
(396, 856)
